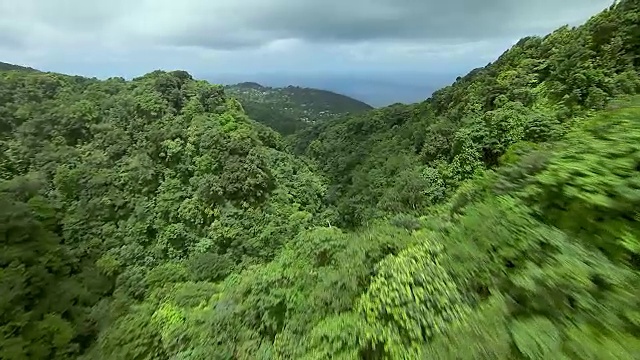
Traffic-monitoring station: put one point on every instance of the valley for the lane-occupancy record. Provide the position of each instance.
(165, 217)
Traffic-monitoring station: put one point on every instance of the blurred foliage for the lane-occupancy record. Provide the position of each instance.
(535, 92)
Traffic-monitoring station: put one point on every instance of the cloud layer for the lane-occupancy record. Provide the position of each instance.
(231, 24)
(209, 37)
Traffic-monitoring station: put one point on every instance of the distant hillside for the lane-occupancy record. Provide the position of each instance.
(291, 108)
(7, 66)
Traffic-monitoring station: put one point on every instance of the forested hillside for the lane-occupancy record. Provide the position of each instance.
(290, 109)
(152, 219)
(111, 189)
(531, 95)
(6, 66)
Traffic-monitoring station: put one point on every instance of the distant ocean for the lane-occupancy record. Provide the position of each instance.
(376, 89)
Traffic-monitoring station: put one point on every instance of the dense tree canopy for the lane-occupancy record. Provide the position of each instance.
(153, 219)
(292, 108)
(533, 93)
(113, 187)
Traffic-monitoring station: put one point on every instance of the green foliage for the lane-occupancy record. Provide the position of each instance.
(44, 296)
(132, 337)
(114, 189)
(536, 338)
(532, 93)
(6, 67)
(152, 219)
(337, 337)
(291, 109)
(411, 299)
(596, 178)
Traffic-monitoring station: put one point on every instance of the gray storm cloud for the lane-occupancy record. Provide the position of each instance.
(231, 24)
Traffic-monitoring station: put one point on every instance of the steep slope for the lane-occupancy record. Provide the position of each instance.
(7, 66)
(101, 182)
(529, 94)
(291, 108)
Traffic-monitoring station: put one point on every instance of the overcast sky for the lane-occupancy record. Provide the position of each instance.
(227, 38)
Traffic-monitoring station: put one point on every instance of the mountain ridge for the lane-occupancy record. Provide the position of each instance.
(286, 109)
(497, 220)
(291, 108)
